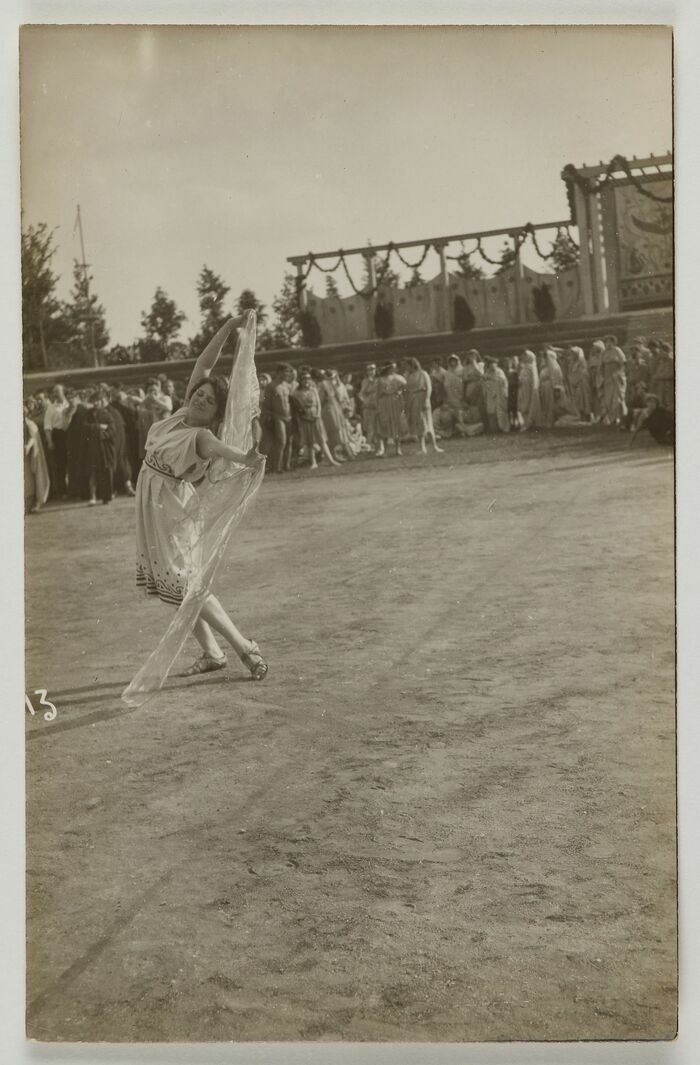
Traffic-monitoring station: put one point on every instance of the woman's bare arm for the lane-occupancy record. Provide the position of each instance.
(207, 360)
(209, 447)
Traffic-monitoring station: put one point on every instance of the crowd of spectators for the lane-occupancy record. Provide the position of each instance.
(89, 444)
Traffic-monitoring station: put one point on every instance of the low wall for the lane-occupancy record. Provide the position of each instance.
(498, 342)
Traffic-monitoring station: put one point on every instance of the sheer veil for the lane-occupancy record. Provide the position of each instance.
(210, 517)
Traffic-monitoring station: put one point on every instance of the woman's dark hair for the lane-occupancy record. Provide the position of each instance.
(387, 368)
(413, 364)
(219, 387)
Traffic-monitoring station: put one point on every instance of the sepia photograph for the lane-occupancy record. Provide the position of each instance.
(349, 415)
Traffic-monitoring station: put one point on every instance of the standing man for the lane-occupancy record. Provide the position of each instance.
(279, 417)
(55, 424)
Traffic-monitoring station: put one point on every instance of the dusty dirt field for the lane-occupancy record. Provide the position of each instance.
(449, 812)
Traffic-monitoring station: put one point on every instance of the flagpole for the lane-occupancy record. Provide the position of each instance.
(95, 361)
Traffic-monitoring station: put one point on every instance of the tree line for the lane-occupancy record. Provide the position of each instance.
(74, 332)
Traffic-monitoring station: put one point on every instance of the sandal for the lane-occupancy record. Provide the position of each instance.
(206, 664)
(255, 662)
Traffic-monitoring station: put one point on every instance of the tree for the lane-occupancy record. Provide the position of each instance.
(384, 277)
(161, 325)
(211, 293)
(414, 279)
(85, 316)
(331, 286)
(565, 252)
(468, 269)
(119, 355)
(286, 327)
(248, 301)
(42, 318)
(507, 258)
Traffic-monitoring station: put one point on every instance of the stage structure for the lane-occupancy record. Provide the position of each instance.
(618, 256)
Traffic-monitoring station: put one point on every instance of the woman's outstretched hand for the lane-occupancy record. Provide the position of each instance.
(253, 459)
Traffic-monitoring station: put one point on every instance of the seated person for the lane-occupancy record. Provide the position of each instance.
(659, 421)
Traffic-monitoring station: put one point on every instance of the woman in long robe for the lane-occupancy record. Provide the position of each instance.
(368, 404)
(333, 418)
(546, 394)
(390, 406)
(37, 483)
(529, 392)
(473, 377)
(614, 383)
(595, 373)
(513, 375)
(419, 415)
(579, 382)
(495, 389)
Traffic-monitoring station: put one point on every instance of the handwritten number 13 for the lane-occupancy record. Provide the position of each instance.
(51, 711)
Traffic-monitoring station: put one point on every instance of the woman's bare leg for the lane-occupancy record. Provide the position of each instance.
(327, 452)
(206, 639)
(215, 616)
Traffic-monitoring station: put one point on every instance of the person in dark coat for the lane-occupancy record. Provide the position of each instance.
(76, 448)
(126, 443)
(101, 435)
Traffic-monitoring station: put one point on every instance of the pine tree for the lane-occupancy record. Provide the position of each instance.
(42, 313)
(468, 269)
(248, 301)
(286, 327)
(331, 286)
(85, 316)
(383, 277)
(161, 325)
(507, 258)
(565, 252)
(211, 293)
(414, 279)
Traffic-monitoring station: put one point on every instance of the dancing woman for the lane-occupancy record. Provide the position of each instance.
(179, 452)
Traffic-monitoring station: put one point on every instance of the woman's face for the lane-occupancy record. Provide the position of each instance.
(202, 406)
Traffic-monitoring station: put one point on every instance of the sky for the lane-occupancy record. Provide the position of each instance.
(236, 147)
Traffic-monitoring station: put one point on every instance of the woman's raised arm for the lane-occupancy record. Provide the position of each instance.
(207, 360)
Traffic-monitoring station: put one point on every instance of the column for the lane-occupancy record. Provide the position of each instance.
(370, 300)
(446, 316)
(301, 287)
(584, 265)
(518, 277)
(599, 290)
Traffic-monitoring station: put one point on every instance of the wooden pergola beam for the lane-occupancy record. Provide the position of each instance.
(634, 163)
(371, 248)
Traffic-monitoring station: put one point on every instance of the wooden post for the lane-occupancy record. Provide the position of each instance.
(369, 300)
(446, 316)
(301, 287)
(584, 263)
(518, 276)
(95, 360)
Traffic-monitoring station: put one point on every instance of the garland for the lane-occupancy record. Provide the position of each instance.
(412, 266)
(592, 186)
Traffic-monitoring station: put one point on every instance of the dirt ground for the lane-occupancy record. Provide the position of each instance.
(448, 814)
